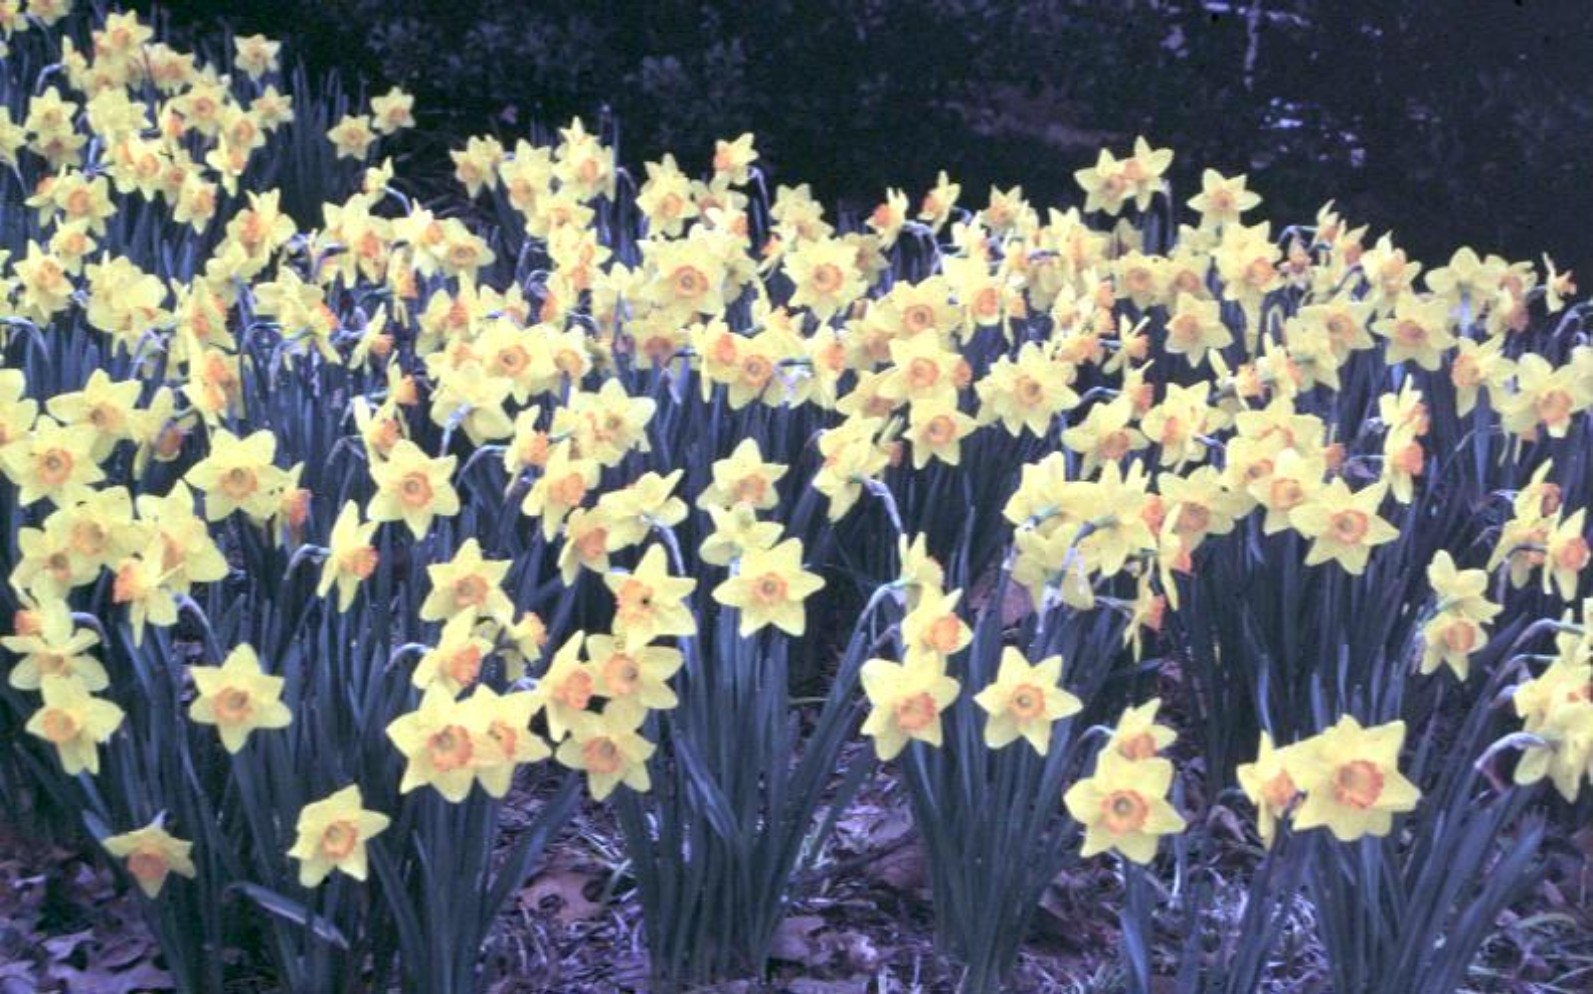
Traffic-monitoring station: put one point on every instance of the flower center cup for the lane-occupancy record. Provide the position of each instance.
(916, 712)
(450, 748)
(339, 839)
(1358, 784)
(1027, 702)
(1124, 811)
(1349, 527)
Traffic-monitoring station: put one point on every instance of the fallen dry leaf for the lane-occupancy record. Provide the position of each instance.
(797, 941)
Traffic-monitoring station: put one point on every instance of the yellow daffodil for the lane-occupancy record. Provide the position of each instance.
(649, 602)
(351, 557)
(1195, 327)
(1418, 331)
(768, 588)
(412, 488)
(1137, 736)
(906, 701)
(438, 744)
(105, 404)
(1028, 392)
(933, 627)
(743, 478)
(565, 481)
(1557, 708)
(467, 584)
(1293, 480)
(737, 532)
(733, 159)
(610, 749)
(238, 474)
(1105, 184)
(1222, 199)
(1106, 435)
(1566, 555)
(457, 659)
(1270, 786)
(1351, 779)
(74, 722)
(633, 678)
(1123, 806)
(504, 740)
(646, 504)
(920, 574)
(237, 697)
(936, 431)
(826, 277)
(152, 854)
(53, 461)
(1025, 700)
(332, 835)
(1344, 526)
(1449, 639)
(567, 688)
(53, 645)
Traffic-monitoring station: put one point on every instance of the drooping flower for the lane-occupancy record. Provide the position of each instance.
(152, 854)
(351, 556)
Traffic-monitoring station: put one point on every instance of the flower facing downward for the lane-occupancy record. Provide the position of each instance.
(1124, 806)
(332, 836)
(238, 698)
(1351, 780)
(152, 854)
(1025, 700)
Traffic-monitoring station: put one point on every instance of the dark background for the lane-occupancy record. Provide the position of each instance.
(1448, 122)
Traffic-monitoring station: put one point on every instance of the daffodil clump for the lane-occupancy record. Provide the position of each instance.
(330, 518)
